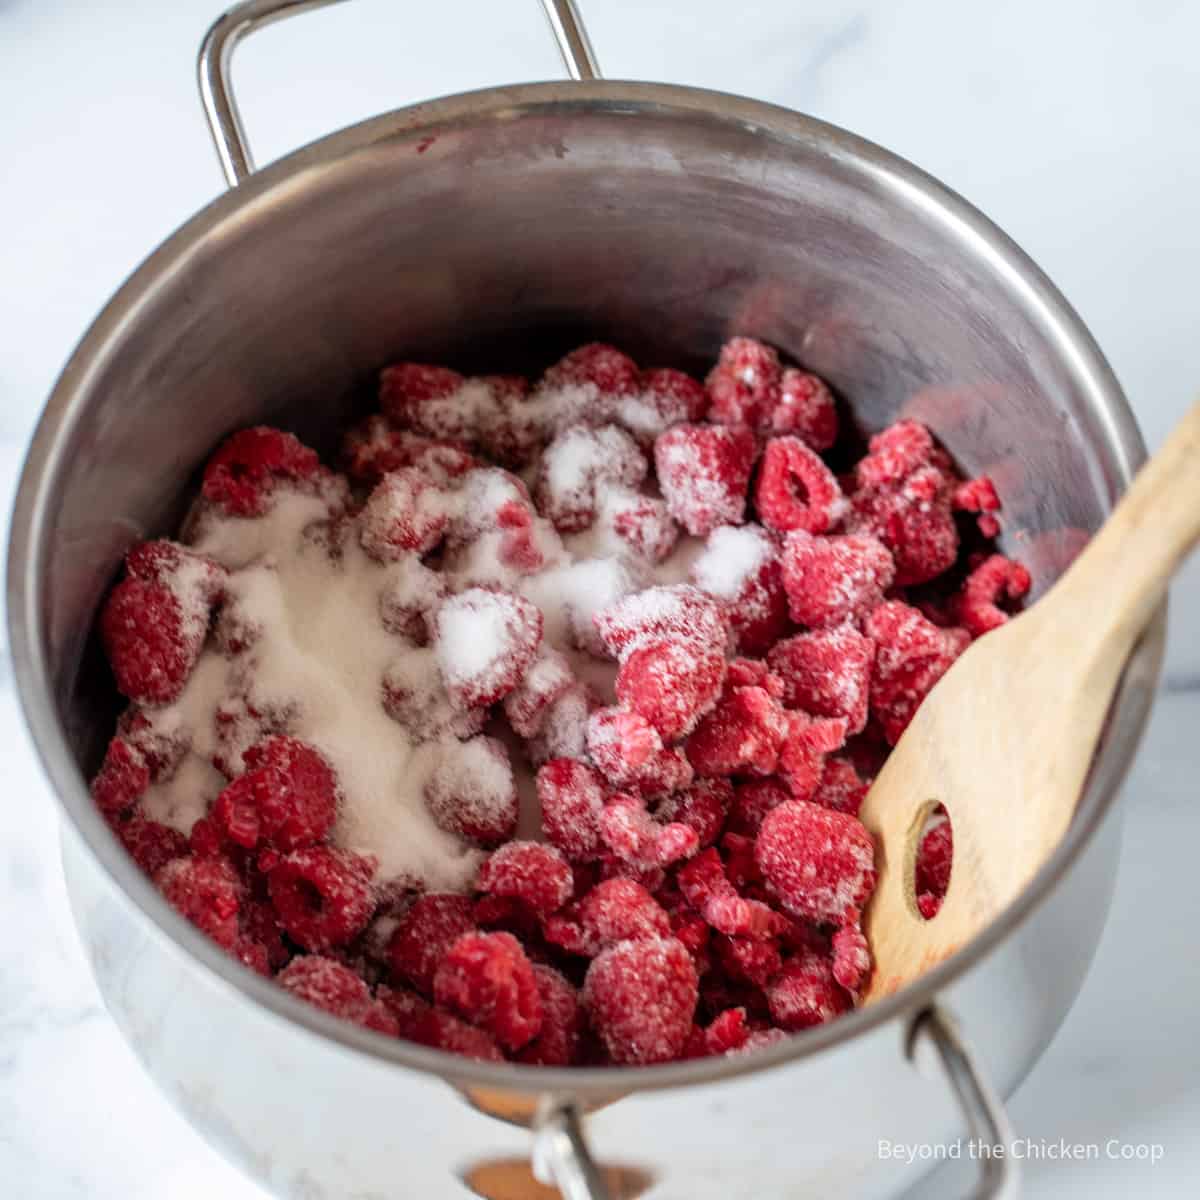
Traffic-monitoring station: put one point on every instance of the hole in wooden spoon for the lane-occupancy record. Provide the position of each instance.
(929, 858)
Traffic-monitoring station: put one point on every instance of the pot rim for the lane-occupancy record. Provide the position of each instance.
(45, 464)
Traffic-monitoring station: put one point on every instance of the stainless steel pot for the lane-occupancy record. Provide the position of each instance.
(662, 218)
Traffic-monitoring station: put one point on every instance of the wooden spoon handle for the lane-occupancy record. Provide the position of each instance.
(1121, 576)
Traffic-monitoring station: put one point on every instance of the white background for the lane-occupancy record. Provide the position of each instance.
(1076, 126)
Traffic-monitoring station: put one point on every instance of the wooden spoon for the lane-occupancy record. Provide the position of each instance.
(1006, 737)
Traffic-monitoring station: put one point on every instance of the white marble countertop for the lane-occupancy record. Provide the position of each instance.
(1073, 125)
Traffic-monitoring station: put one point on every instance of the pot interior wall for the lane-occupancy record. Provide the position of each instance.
(492, 235)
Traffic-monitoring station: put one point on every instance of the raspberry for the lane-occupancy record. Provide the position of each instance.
(618, 910)
(935, 856)
(832, 580)
(628, 750)
(333, 987)
(805, 993)
(150, 844)
(322, 896)
(671, 685)
(678, 613)
(410, 598)
(702, 807)
(805, 410)
(485, 643)
(405, 514)
(373, 448)
(819, 862)
(741, 868)
(259, 927)
(287, 798)
(601, 368)
(976, 495)
(559, 1042)
(913, 519)
(564, 729)
(928, 905)
(511, 429)
(751, 803)
(577, 466)
(527, 705)
(243, 475)
(911, 655)
(207, 892)
(827, 673)
(424, 934)
(802, 756)
(693, 931)
(592, 586)
(740, 566)
(447, 1032)
(427, 399)
(533, 873)
(744, 386)
(150, 647)
(748, 960)
(641, 997)
(895, 453)
(486, 978)
(727, 1032)
(162, 749)
(414, 696)
(744, 733)
(796, 490)
(996, 579)
(707, 889)
(751, 672)
(841, 788)
(642, 524)
(572, 796)
(704, 474)
(122, 778)
(471, 793)
(851, 958)
(412, 1014)
(652, 878)
(633, 835)
(665, 397)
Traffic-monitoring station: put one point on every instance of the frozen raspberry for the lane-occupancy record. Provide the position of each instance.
(414, 696)
(601, 369)
(471, 792)
(744, 386)
(748, 960)
(841, 788)
(559, 1042)
(976, 495)
(805, 993)
(572, 796)
(578, 466)
(409, 599)
(913, 519)
(615, 910)
(820, 862)
(591, 586)
(702, 807)
(851, 958)
(665, 397)
(753, 672)
(995, 581)
(424, 934)
(485, 643)
(547, 679)
(486, 978)
(434, 401)
(751, 803)
(405, 514)
(704, 474)
(743, 734)
(679, 613)
(935, 856)
(322, 896)
(671, 684)
(148, 641)
(205, 890)
(831, 580)
(373, 448)
(633, 835)
(911, 655)
(707, 888)
(447, 1032)
(533, 873)
(333, 987)
(150, 844)
(740, 566)
(630, 754)
(161, 748)
(827, 673)
(641, 997)
(727, 1032)
(512, 429)
(122, 778)
(895, 453)
(693, 931)
(243, 475)
(805, 410)
(564, 731)
(412, 1013)
(287, 798)
(796, 490)
(741, 867)
(928, 905)
(651, 877)
(198, 581)
(260, 927)
(802, 756)
(642, 524)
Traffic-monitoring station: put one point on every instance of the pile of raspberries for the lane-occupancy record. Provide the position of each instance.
(701, 882)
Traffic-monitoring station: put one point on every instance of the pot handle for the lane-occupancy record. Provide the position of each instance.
(560, 1154)
(987, 1122)
(216, 55)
